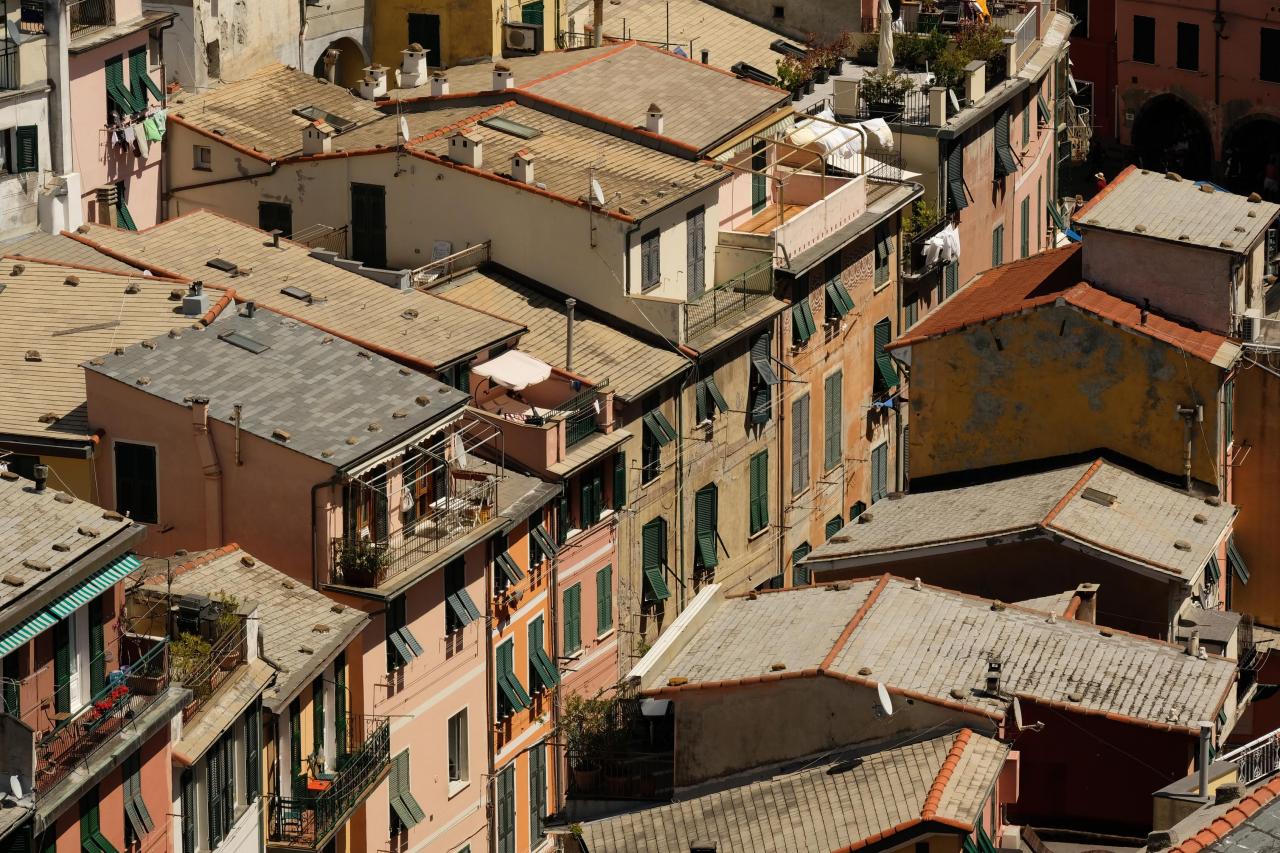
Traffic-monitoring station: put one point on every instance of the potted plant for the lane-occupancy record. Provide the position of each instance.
(188, 656)
(362, 563)
(789, 76)
(227, 623)
(585, 722)
(819, 54)
(884, 93)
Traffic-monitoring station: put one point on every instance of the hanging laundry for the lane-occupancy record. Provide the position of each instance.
(160, 116)
(141, 147)
(151, 129)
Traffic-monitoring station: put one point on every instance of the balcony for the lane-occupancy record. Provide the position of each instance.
(308, 823)
(204, 674)
(639, 776)
(87, 14)
(728, 306)
(78, 739)
(9, 74)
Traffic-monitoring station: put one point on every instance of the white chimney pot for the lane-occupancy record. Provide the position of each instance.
(439, 85)
(317, 138)
(653, 120)
(522, 167)
(466, 150)
(413, 66)
(503, 78)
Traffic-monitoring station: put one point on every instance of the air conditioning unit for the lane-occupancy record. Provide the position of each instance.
(522, 38)
(1251, 325)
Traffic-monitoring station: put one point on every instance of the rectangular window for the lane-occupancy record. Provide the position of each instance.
(506, 571)
(402, 645)
(541, 546)
(253, 744)
(997, 245)
(506, 807)
(910, 309)
(706, 511)
(886, 375)
(951, 277)
(957, 199)
(1269, 51)
(276, 216)
(800, 439)
(1026, 121)
(119, 99)
(802, 325)
(708, 399)
(800, 574)
(202, 158)
(879, 472)
(1080, 11)
(189, 816)
(405, 811)
(884, 253)
(1144, 39)
(1006, 163)
(591, 501)
(653, 543)
(604, 601)
(511, 693)
(537, 794)
(63, 652)
(658, 433)
(542, 672)
(20, 149)
(136, 481)
(759, 503)
(650, 261)
(763, 378)
(137, 817)
(1188, 46)
(461, 608)
(458, 769)
(572, 615)
(1026, 228)
(91, 838)
(696, 253)
(833, 526)
(317, 716)
(833, 420)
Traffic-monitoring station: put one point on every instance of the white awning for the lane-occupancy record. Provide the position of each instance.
(514, 369)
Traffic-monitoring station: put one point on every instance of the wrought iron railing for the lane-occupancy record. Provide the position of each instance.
(9, 77)
(912, 108)
(203, 680)
(369, 563)
(450, 267)
(308, 821)
(571, 41)
(332, 238)
(728, 302)
(74, 740)
(580, 417)
(629, 776)
(1257, 759)
(92, 13)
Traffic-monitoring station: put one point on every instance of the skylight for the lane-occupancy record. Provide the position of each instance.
(509, 127)
(245, 342)
(338, 123)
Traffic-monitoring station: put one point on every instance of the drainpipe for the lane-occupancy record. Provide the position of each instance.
(490, 704)
(211, 469)
(684, 590)
(553, 624)
(779, 549)
(1206, 732)
(1188, 415)
(568, 334)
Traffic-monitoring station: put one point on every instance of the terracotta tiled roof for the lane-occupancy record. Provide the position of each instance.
(1042, 280)
(1231, 819)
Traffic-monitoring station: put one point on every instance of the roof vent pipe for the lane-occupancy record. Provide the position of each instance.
(1206, 734)
(568, 333)
(597, 22)
(706, 56)
(41, 474)
(1193, 644)
(249, 308)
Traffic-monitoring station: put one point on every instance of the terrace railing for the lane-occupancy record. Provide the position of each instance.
(92, 13)
(728, 302)
(1257, 759)
(227, 653)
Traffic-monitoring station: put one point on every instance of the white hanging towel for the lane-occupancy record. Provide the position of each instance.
(879, 129)
(458, 452)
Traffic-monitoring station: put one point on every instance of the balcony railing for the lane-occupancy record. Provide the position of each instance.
(75, 739)
(580, 417)
(1257, 759)
(332, 238)
(92, 13)
(729, 302)
(204, 679)
(630, 776)
(369, 563)
(912, 109)
(9, 78)
(308, 821)
(450, 267)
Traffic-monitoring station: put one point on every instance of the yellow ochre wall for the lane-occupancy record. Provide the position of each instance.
(1256, 466)
(469, 29)
(1058, 382)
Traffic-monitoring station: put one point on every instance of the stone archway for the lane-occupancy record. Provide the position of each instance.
(1253, 144)
(349, 62)
(1170, 136)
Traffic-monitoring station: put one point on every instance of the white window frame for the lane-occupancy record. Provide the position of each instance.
(463, 763)
(202, 158)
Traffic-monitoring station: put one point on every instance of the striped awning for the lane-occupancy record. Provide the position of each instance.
(71, 601)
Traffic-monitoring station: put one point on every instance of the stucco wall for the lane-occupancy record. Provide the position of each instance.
(1253, 479)
(1058, 382)
(468, 30)
(239, 39)
(1181, 281)
(18, 193)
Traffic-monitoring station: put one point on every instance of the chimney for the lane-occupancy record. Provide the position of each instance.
(503, 77)
(196, 302)
(413, 66)
(439, 84)
(250, 308)
(653, 121)
(41, 475)
(1011, 55)
(374, 84)
(597, 22)
(994, 668)
(522, 166)
(317, 137)
(938, 106)
(1206, 735)
(975, 81)
(1087, 611)
(1193, 644)
(466, 150)
(568, 332)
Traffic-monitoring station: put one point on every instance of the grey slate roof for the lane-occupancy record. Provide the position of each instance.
(933, 641)
(325, 393)
(1143, 524)
(1259, 832)
(1179, 211)
(301, 629)
(43, 533)
(818, 805)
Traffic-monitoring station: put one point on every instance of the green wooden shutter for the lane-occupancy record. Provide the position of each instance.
(884, 253)
(253, 753)
(317, 715)
(531, 13)
(833, 526)
(802, 325)
(604, 600)
(188, 812)
(1228, 411)
(619, 479)
(295, 749)
(952, 277)
(117, 93)
(800, 574)
(213, 791)
(62, 668)
(97, 649)
(1026, 227)
(759, 187)
(137, 74)
(905, 451)
(653, 537)
(507, 810)
(27, 157)
(832, 418)
(759, 491)
(705, 512)
(572, 606)
(1005, 163)
(879, 472)
(800, 445)
(340, 706)
(956, 200)
(537, 794)
(886, 375)
(562, 518)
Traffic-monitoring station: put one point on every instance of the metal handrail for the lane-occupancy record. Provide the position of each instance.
(9, 77)
(205, 681)
(729, 301)
(1256, 759)
(451, 266)
(92, 13)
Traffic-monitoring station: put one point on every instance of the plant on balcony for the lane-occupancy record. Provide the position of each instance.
(188, 657)
(362, 563)
(867, 53)
(981, 40)
(922, 216)
(228, 621)
(948, 68)
(791, 76)
(884, 92)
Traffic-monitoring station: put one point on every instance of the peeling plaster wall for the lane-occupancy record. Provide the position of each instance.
(1057, 382)
(228, 39)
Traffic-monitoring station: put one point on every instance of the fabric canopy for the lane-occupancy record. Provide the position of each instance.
(68, 603)
(514, 369)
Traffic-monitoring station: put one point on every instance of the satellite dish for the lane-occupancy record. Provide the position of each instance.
(15, 785)
(404, 129)
(596, 192)
(886, 705)
(1017, 713)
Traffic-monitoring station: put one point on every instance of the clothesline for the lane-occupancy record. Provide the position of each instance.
(124, 131)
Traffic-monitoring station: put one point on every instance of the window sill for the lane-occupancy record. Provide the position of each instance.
(600, 638)
(573, 655)
(456, 788)
(202, 168)
(762, 531)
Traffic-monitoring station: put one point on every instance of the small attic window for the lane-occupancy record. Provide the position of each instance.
(244, 342)
(1099, 497)
(296, 293)
(511, 128)
(314, 114)
(223, 266)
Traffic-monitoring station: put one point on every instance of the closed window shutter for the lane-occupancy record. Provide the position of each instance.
(884, 253)
(27, 157)
(956, 200)
(833, 526)
(879, 472)
(97, 649)
(295, 748)
(620, 480)
(905, 450)
(604, 600)
(760, 491)
(317, 715)
(653, 538)
(138, 74)
(62, 668)
(1026, 227)
(188, 813)
(704, 512)
(562, 519)
(696, 254)
(886, 375)
(253, 745)
(213, 789)
(800, 574)
(1005, 163)
(952, 277)
(832, 418)
(537, 794)
(507, 810)
(800, 445)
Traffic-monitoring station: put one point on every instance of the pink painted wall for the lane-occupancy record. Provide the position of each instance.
(595, 667)
(97, 161)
